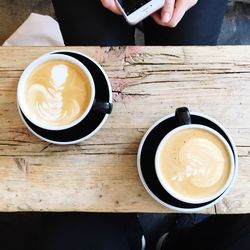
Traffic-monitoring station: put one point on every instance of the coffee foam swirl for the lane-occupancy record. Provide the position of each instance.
(51, 108)
(196, 156)
(194, 162)
(57, 92)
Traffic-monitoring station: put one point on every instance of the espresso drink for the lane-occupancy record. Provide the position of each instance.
(57, 92)
(195, 163)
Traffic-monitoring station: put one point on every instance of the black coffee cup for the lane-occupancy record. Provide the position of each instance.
(148, 148)
(57, 80)
(98, 112)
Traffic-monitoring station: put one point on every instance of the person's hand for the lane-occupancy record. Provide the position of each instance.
(172, 12)
(111, 5)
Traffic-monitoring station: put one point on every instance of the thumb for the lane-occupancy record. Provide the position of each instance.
(167, 11)
(111, 5)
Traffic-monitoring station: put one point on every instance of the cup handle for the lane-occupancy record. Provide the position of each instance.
(182, 116)
(102, 107)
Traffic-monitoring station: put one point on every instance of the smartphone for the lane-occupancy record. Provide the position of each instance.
(136, 10)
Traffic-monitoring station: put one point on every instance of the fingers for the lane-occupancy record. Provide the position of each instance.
(181, 7)
(164, 16)
(167, 11)
(172, 12)
(111, 5)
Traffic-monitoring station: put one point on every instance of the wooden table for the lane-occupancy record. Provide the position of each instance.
(100, 174)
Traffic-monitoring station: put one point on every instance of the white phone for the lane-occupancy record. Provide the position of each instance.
(136, 10)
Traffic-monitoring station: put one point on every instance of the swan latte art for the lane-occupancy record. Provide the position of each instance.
(195, 163)
(57, 92)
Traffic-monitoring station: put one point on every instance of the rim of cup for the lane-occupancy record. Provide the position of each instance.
(26, 73)
(169, 189)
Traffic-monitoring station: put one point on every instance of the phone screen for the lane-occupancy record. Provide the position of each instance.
(129, 6)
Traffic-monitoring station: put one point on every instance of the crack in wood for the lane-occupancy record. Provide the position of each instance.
(171, 81)
(22, 165)
(114, 153)
(225, 72)
(14, 142)
(170, 55)
(114, 48)
(74, 153)
(215, 209)
(118, 96)
(140, 75)
(10, 70)
(46, 147)
(135, 94)
(118, 50)
(9, 144)
(19, 131)
(215, 71)
(111, 143)
(130, 94)
(138, 58)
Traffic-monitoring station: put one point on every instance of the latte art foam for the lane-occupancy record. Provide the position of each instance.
(57, 92)
(51, 108)
(195, 163)
(196, 156)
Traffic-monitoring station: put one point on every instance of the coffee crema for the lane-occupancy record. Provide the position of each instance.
(195, 163)
(57, 92)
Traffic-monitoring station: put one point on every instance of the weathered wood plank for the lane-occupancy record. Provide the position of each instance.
(100, 174)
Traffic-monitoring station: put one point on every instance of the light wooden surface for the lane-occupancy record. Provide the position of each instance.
(100, 174)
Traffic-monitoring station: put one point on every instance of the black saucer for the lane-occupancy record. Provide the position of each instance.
(92, 122)
(146, 159)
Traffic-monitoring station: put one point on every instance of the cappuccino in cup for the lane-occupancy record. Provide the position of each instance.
(194, 163)
(56, 92)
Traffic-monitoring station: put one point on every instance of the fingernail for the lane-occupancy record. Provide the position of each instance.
(166, 17)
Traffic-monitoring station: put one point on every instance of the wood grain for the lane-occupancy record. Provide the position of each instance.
(100, 174)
